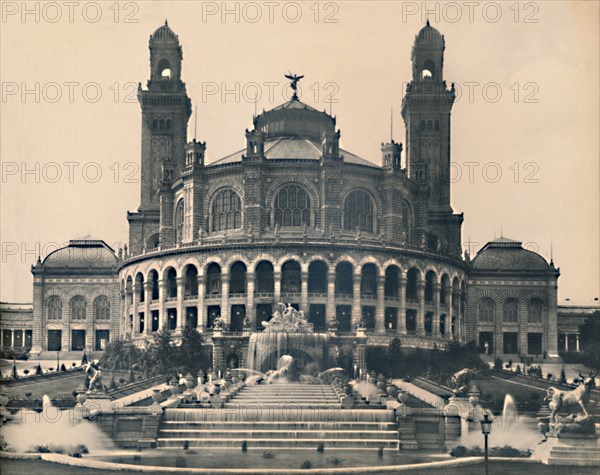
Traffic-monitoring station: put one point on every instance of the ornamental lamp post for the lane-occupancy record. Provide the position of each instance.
(486, 428)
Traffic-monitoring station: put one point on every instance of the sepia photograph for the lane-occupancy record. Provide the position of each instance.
(300, 237)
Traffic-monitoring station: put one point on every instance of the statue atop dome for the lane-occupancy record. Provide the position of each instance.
(294, 84)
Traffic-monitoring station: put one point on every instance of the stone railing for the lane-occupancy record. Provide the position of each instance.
(239, 239)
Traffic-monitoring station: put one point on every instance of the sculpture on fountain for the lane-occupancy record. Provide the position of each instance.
(461, 381)
(93, 379)
(287, 319)
(559, 400)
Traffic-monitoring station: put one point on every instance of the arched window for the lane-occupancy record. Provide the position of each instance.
(54, 308)
(292, 207)
(164, 69)
(487, 308)
(78, 308)
(511, 311)
(428, 71)
(179, 221)
(226, 211)
(102, 308)
(359, 211)
(535, 311)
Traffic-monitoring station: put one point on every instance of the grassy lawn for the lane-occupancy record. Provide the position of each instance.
(34, 467)
(55, 387)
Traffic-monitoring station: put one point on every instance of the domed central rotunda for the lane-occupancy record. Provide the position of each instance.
(293, 218)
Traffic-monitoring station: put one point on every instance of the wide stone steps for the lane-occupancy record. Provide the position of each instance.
(289, 433)
(351, 443)
(268, 426)
(294, 416)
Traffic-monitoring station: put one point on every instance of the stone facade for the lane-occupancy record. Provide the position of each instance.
(512, 301)
(295, 218)
(75, 298)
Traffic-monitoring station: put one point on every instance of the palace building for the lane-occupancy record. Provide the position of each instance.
(295, 218)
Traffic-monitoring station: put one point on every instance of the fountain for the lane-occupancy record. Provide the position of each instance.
(54, 429)
(509, 413)
(287, 333)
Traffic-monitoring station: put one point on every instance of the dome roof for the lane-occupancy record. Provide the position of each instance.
(293, 148)
(85, 253)
(294, 118)
(164, 33)
(429, 36)
(505, 254)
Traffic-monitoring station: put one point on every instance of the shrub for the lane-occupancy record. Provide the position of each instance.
(25, 372)
(321, 447)
(306, 464)
(28, 394)
(335, 460)
(244, 446)
(268, 455)
(137, 458)
(82, 449)
(73, 364)
(63, 367)
(38, 370)
(122, 380)
(518, 369)
(380, 452)
(186, 445)
(498, 363)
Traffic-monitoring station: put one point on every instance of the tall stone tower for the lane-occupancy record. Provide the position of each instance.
(426, 109)
(166, 109)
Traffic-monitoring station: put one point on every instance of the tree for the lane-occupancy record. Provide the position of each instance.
(191, 355)
(589, 336)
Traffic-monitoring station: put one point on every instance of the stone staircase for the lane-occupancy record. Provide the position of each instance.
(293, 415)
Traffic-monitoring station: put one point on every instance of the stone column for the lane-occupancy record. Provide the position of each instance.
(421, 308)
(304, 292)
(37, 336)
(277, 286)
(577, 342)
(380, 312)
(566, 342)
(136, 315)
(330, 295)
(522, 326)
(551, 327)
(448, 324)
(250, 307)
(436, 316)
(147, 312)
(180, 308)
(201, 306)
(356, 306)
(455, 311)
(402, 308)
(225, 300)
(162, 307)
(89, 327)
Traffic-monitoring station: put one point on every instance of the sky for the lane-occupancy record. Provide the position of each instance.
(525, 127)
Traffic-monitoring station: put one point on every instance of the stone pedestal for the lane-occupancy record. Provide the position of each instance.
(574, 450)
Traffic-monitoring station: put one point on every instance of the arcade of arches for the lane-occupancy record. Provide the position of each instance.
(387, 299)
